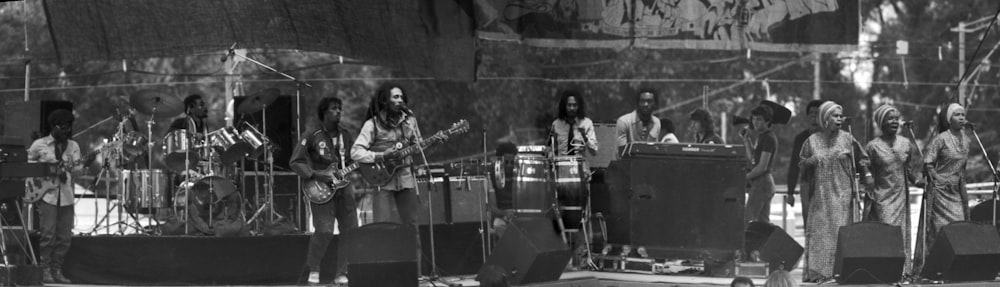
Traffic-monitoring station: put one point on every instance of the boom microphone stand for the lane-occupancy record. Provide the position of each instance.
(996, 177)
(856, 197)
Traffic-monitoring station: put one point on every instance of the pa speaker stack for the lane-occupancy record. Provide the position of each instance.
(964, 251)
(869, 253)
(529, 251)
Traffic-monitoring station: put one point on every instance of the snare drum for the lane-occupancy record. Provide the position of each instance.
(145, 189)
(571, 188)
(532, 193)
(233, 147)
(133, 145)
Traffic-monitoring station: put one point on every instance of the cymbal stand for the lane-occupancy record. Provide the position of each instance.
(118, 205)
(268, 203)
(269, 188)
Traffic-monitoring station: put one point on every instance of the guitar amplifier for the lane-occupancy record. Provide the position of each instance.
(607, 145)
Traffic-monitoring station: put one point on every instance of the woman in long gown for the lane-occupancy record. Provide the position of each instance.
(945, 160)
(894, 163)
(830, 156)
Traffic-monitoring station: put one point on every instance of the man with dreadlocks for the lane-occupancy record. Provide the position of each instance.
(390, 126)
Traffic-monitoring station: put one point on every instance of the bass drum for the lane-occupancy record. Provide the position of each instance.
(145, 190)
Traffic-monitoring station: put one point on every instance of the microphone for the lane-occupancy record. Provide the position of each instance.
(403, 108)
(229, 52)
(970, 125)
(906, 123)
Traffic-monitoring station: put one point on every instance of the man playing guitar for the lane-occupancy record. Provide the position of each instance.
(55, 209)
(390, 126)
(325, 150)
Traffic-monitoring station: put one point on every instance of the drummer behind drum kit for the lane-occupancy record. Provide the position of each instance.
(206, 164)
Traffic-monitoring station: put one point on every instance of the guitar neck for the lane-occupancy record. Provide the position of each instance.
(418, 147)
(348, 169)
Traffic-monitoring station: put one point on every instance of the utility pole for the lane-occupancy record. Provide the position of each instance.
(962, 28)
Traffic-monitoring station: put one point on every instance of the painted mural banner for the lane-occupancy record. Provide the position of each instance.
(766, 25)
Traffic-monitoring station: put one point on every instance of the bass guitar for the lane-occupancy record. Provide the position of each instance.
(380, 173)
(37, 187)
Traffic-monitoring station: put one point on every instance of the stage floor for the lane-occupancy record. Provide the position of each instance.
(612, 279)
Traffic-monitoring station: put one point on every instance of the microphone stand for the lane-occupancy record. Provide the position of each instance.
(996, 177)
(924, 208)
(856, 197)
(430, 212)
(485, 221)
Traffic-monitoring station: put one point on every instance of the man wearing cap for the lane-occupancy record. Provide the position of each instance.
(55, 209)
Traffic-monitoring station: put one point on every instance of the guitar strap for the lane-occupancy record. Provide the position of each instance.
(340, 149)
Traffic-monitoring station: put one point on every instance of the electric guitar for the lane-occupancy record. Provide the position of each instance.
(319, 192)
(36, 187)
(380, 173)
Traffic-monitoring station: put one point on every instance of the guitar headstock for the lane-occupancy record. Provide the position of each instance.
(459, 127)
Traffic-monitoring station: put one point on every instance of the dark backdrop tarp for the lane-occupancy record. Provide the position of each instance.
(425, 37)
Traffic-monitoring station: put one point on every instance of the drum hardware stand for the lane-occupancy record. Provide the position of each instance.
(269, 188)
(268, 202)
(105, 174)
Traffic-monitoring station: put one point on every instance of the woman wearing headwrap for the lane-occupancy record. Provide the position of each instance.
(945, 160)
(830, 156)
(894, 162)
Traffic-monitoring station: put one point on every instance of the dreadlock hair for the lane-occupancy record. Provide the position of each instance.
(580, 106)
(380, 102)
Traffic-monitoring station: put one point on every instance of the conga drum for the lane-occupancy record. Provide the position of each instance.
(532, 194)
(571, 189)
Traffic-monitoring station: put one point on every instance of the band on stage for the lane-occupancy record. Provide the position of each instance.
(838, 179)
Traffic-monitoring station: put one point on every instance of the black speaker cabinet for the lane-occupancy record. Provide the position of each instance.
(869, 253)
(775, 246)
(381, 254)
(432, 199)
(964, 251)
(466, 198)
(677, 207)
(529, 251)
(983, 212)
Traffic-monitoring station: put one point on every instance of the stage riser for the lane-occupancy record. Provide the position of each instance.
(176, 260)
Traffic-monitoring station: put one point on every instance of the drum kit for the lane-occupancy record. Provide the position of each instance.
(202, 165)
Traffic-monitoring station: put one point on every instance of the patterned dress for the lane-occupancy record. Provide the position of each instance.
(947, 197)
(828, 161)
(892, 163)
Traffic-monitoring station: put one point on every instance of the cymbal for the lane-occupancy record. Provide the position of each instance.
(165, 105)
(258, 101)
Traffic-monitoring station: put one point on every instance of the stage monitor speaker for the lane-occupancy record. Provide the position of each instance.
(775, 246)
(529, 251)
(964, 251)
(869, 253)
(48, 107)
(607, 141)
(983, 212)
(381, 254)
(280, 127)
